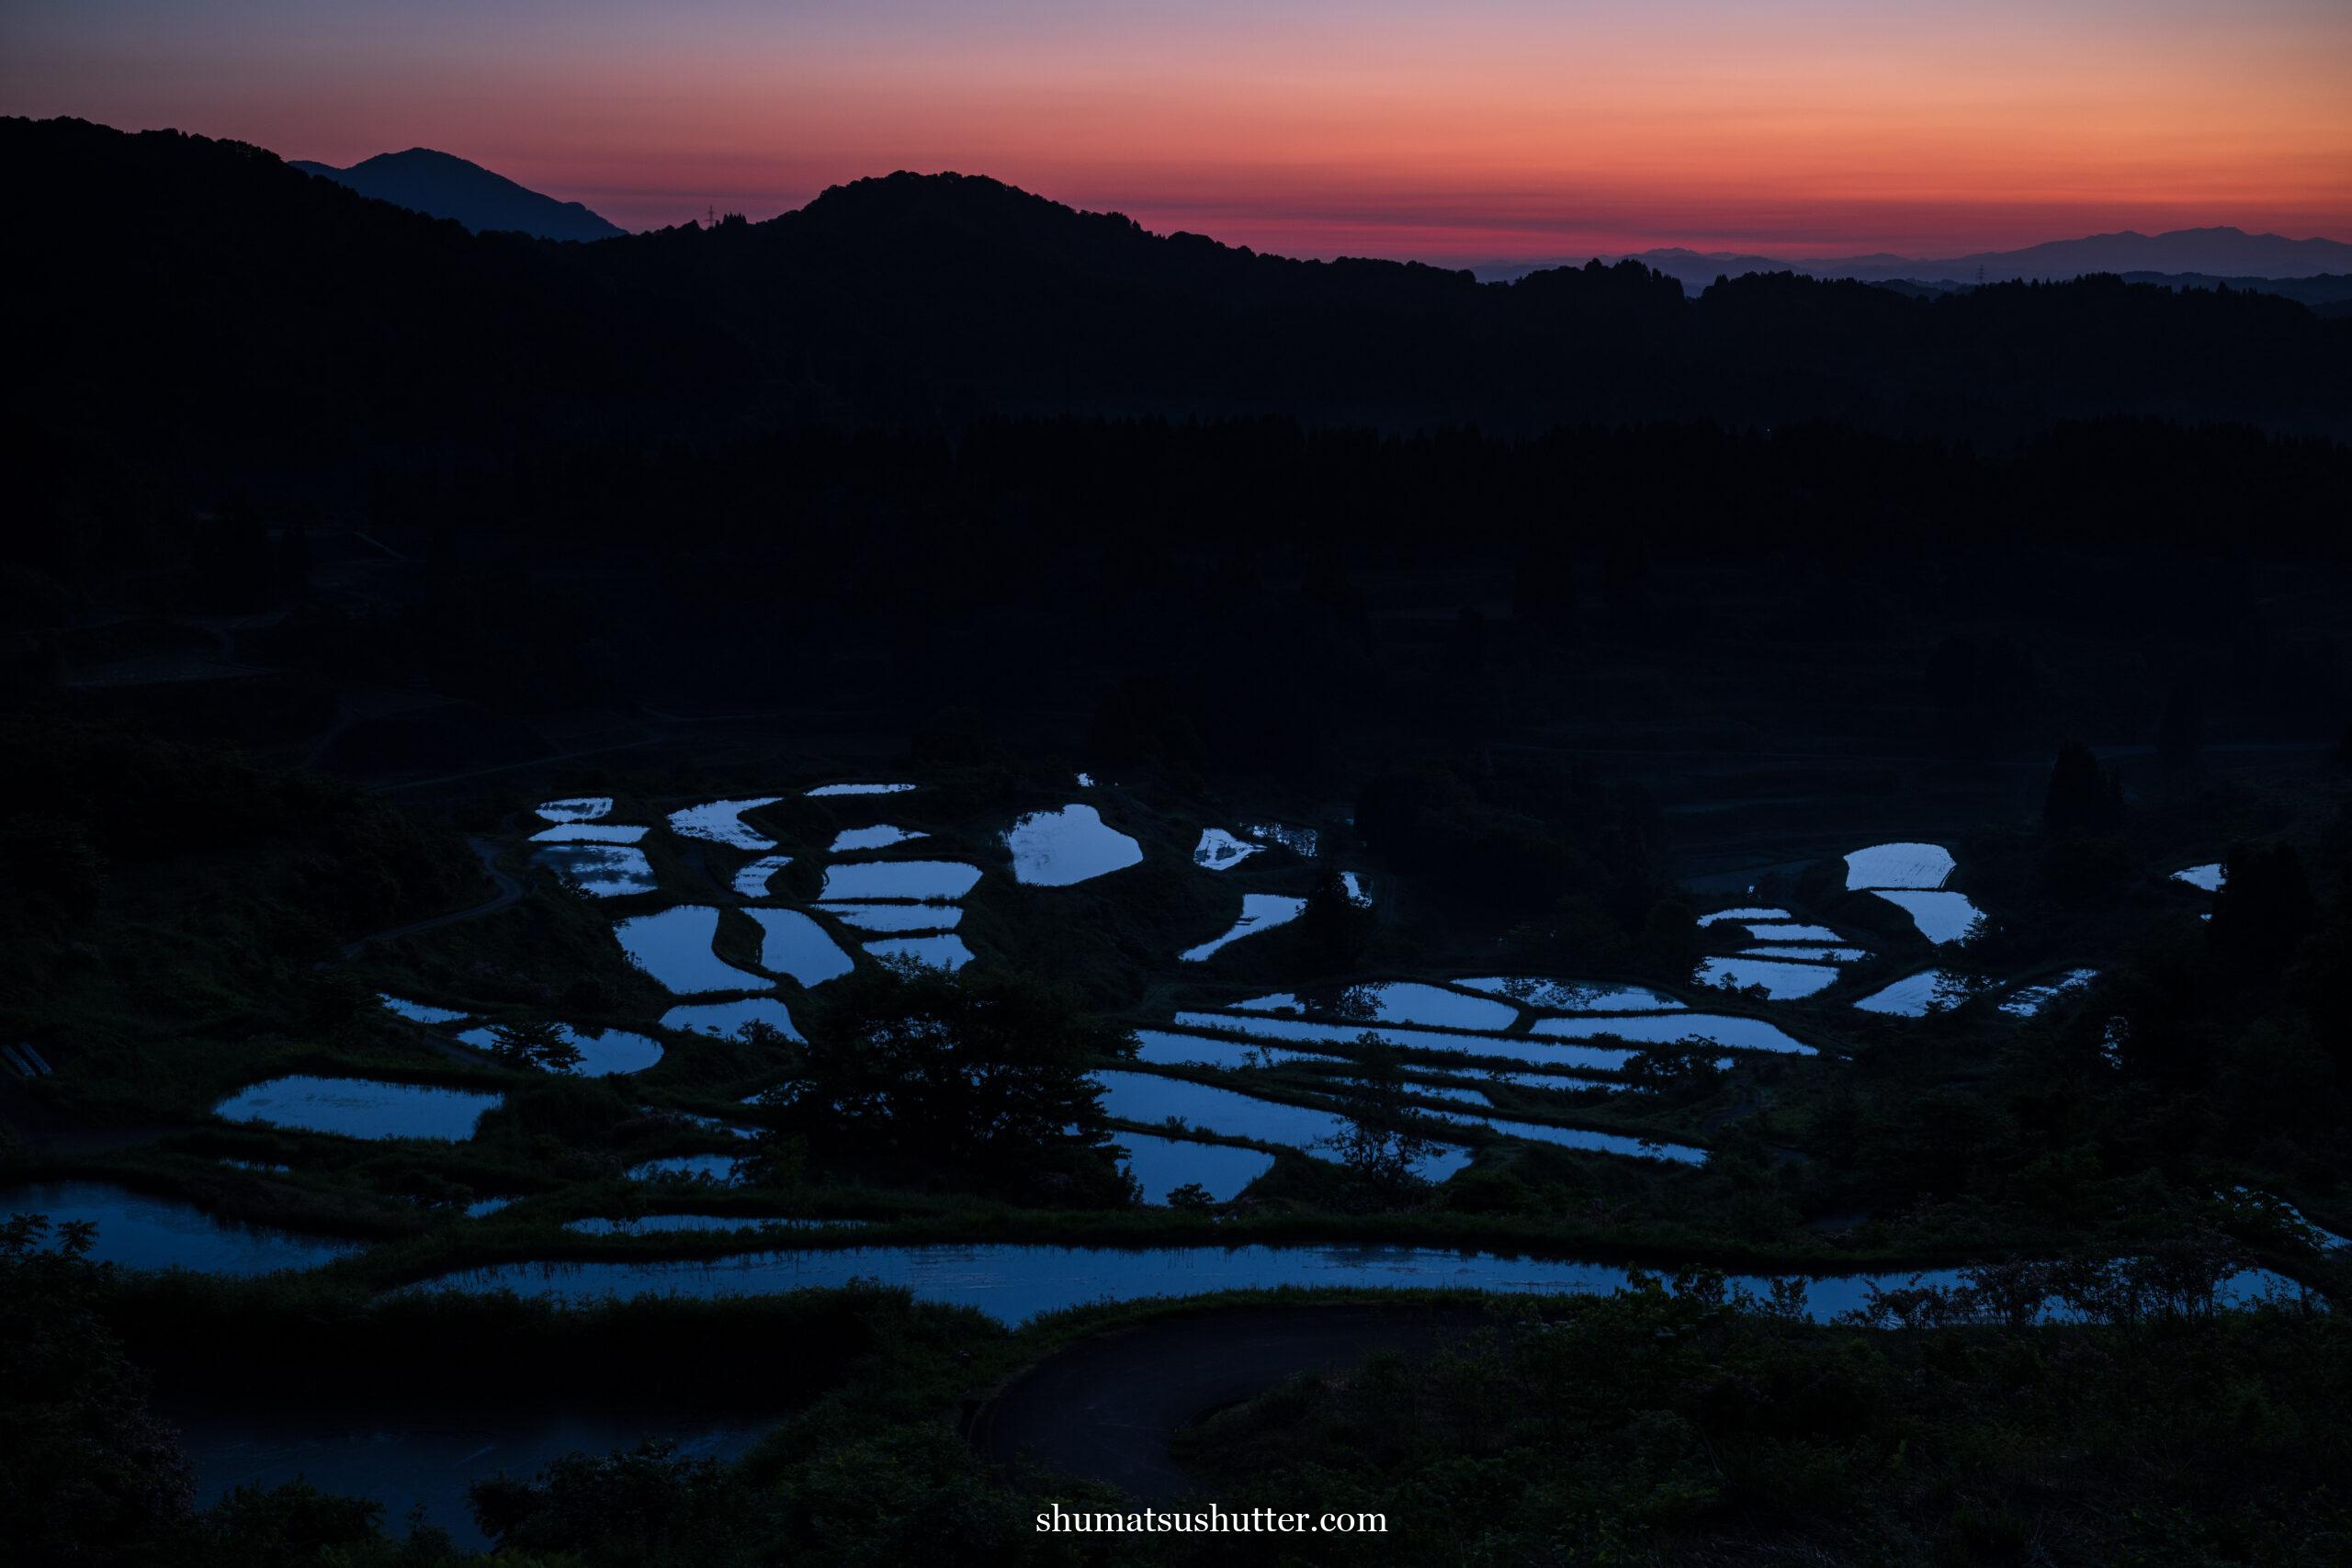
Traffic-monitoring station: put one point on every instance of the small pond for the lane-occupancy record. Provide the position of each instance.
(1056, 849)
(1260, 912)
(359, 1108)
(721, 822)
(141, 1231)
(673, 946)
(603, 1054)
(2206, 876)
(727, 1020)
(923, 880)
(791, 943)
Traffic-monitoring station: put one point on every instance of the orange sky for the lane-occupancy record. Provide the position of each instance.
(1483, 129)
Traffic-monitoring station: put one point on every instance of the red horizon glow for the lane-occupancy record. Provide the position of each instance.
(1487, 130)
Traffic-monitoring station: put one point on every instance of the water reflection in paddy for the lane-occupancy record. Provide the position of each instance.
(1057, 849)
(606, 871)
(923, 880)
(1260, 912)
(652, 1224)
(796, 945)
(721, 1168)
(1161, 1165)
(603, 1052)
(721, 822)
(1782, 981)
(2027, 1000)
(897, 917)
(1574, 995)
(1783, 931)
(1162, 1048)
(751, 882)
(359, 1108)
(727, 1020)
(946, 952)
(589, 833)
(1148, 1098)
(675, 947)
(1013, 1283)
(1916, 995)
(826, 791)
(2206, 876)
(140, 1230)
(881, 836)
(1940, 917)
(1536, 1052)
(576, 808)
(1750, 912)
(1393, 1001)
(1898, 865)
(1705, 1029)
(1220, 850)
(418, 1013)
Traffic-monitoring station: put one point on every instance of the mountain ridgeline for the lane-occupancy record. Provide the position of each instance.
(290, 322)
(441, 186)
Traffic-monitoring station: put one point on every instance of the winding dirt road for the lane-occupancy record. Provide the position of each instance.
(1105, 1407)
(509, 892)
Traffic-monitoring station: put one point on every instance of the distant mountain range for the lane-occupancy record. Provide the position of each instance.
(363, 334)
(441, 184)
(2210, 253)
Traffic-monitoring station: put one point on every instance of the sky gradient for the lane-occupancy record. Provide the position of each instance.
(1481, 131)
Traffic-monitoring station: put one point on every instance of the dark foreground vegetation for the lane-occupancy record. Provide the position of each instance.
(1657, 1426)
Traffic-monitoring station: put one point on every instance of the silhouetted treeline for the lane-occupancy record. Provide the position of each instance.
(202, 299)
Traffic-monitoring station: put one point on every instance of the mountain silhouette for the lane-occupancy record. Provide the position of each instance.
(441, 185)
(2205, 252)
(291, 314)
